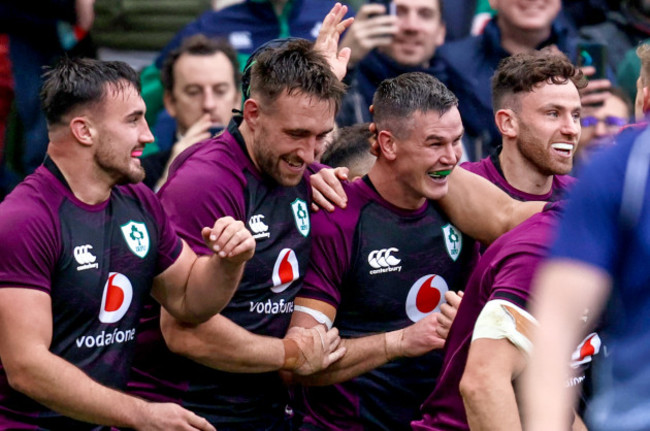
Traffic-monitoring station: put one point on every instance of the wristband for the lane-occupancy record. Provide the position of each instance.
(293, 357)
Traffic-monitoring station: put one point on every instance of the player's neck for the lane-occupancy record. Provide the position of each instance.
(249, 139)
(89, 186)
(521, 174)
(389, 186)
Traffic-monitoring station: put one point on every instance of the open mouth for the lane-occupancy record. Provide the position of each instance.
(563, 148)
(294, 163)
(137, 153)
(436, 175)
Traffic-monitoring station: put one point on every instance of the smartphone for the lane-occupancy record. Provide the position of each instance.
(595, 55)
(388, 4)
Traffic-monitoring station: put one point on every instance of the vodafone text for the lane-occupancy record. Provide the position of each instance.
(270, 307)
(106, 338)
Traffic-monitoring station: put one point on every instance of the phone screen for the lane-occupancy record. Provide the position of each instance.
(595, 55)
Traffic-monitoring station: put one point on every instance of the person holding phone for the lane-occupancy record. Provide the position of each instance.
(388, 39)
(468, 64)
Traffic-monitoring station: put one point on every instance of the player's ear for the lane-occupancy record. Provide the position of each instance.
(82, 129)
(386, 144)
(506, 122)
(251, 113)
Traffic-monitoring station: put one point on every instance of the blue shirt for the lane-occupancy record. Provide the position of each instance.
(602, 229)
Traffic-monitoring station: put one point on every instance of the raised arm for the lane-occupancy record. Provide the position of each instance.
(327, 41)
(195, 288)
(25, 337)
(482, 210)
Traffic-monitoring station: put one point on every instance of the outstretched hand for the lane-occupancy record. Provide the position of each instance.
(230, 239)
(327, 42)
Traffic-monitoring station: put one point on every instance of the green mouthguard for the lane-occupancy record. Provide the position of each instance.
(442, 173)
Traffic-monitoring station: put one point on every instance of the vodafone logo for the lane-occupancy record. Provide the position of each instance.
(116, 298)
(425, 296)
(588, 348)
(285, 270)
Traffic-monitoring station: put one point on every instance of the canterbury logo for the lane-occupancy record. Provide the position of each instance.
(83, 255)
(257, 225)
(383, 258)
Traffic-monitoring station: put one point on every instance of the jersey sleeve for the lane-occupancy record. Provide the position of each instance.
(200, 191)
(514, 277)
(329, 259)
(31, 246)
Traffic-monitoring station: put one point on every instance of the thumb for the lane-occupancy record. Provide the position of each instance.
(344, 54)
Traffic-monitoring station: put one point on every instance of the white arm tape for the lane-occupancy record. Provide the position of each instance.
(319, 316)
(502, 319)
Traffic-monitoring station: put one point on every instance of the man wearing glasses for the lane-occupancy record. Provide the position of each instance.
(600, 124)
(537, 109)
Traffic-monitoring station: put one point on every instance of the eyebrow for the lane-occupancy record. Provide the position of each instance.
(561, 108)
(442, 138)
(136, 113)
(306, 131)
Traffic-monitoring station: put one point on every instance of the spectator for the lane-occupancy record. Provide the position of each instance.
(386, 46)
(624, 29)
(92, 246)
(468, 64)
(601, 124)
(201, 81)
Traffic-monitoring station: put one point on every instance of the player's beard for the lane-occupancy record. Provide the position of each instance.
(121, 168)
(538, 153)
(269, 164)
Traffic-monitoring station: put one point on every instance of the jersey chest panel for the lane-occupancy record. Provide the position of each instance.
(401, 267)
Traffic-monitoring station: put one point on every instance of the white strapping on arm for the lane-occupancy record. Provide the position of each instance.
(502, 319)
(318, 315)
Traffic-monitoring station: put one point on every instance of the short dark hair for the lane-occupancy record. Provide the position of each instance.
(350, 144)
(294, 67)
(82, 81)
(522, 72)
(199, 44)
(396, 99)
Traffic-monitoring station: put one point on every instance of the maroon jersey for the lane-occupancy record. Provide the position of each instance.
(97, 263)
